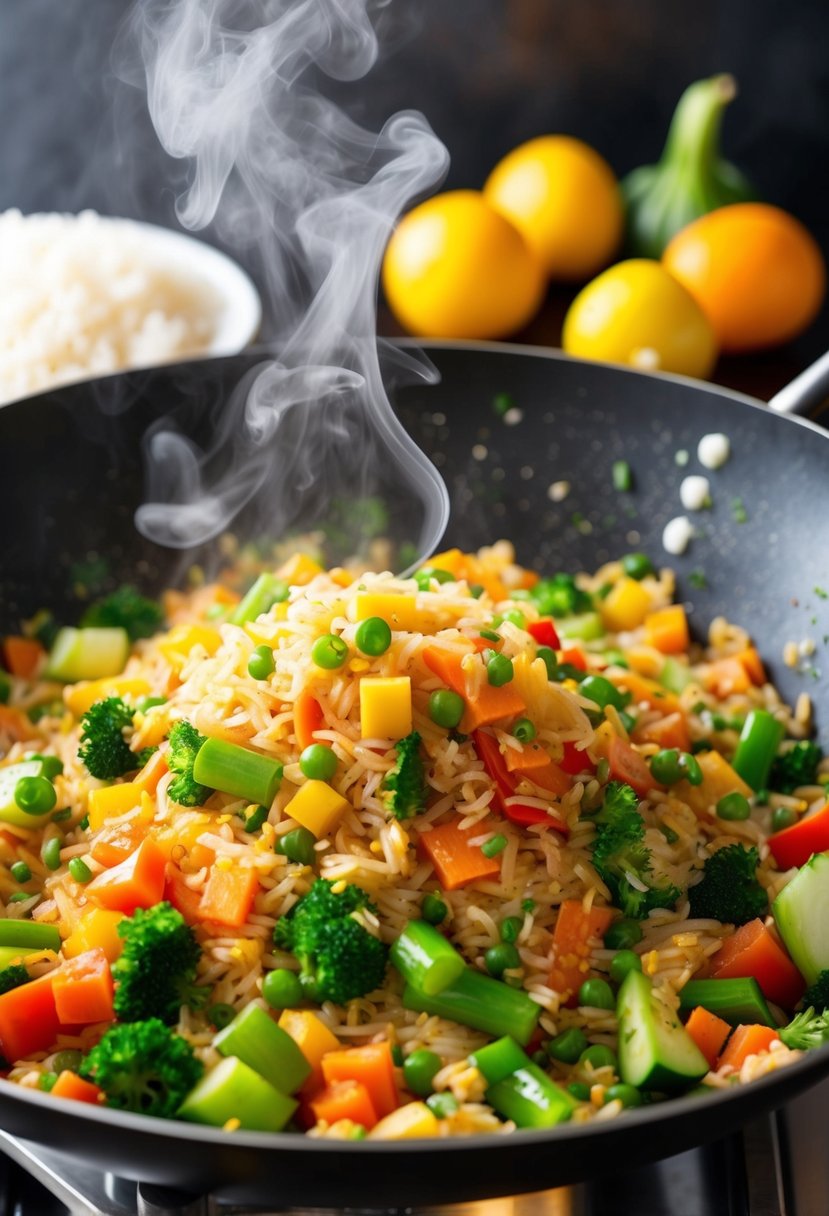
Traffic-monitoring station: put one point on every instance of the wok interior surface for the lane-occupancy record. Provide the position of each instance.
(73, 477)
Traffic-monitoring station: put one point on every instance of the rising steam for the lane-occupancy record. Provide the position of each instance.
(281, 169)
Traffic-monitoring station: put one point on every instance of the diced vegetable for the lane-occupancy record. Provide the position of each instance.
(371, 1065)
(312, 1037)
(23, 656)
(718, 780)
(409, 1122)
(759, 740)
(87, 654)
(256, 1039)
(29, 935)
(795, 845)
(801, 913)
(232, 1090)
(110, 801)
(655, 1050)
(385, 707)
(483, 1003)
(400, 611)
(744, 1042)
(115, 844)
(499, 1060)
(236, 770)
(228, 895)
(490, 703)
(268, 590)
(308, 718)
(725, 677)
(425, 958)
(625, 605)
(137, 882)
(10, 811)
(457, 863)
(573, 936)
(181, 640)
(667, 630)
(675, 675)
(82, 696)
(96, 929)
(70, 1085)
(708, 1032)
(28, 1019)
(736, 1001)
(148, 778)
(548, 775)
(627, 765)
(530, 1099)
(754, 950)
(83, 990)
(343, 1100)
(317, 807)
(585, 627)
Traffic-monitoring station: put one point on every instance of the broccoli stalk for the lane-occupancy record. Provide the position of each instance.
(126, 609)
(143, 1067)
(621, 857)
(12, 977)
(818, 994)
(406, 782)
(155, 972)
(339, 959)
(185, 742)
(729, 890)
(807, 1030)
(104, 748)
(796, 766)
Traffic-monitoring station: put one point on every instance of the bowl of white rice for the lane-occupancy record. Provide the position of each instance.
(88, 295)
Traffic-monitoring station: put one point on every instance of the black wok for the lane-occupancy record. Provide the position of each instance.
(71, 479)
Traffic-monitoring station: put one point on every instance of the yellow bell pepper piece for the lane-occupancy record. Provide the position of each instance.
(399, 611)
(625, 606)
(313, 1038)
(298, 570)
(406, 1123)
(82, 696)
(96, 929)
(177, 644)
(718, 779)
(317, 807)
(385, 707)
(111, 801)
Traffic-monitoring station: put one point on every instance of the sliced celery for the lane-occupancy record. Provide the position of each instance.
(265, 592)
(480, 1002)
(425, 959)
(237, 770)
(87, 654)
(29, 935)
(256, 1039)
(232, 1090)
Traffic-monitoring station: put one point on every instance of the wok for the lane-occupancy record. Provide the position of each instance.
(72, 477)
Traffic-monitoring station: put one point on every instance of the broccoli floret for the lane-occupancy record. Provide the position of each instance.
(185, 742)
(13, 977)
(621, 857)
(559, 596)
(126, 609)
(104, 749)
(406, 782)
(729, 890)
(143, 1067)
(796, 766)
(154, 975)
(808, 1029)
(817, 995)
(339, 959)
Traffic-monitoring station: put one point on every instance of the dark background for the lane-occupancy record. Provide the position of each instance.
(488, 74)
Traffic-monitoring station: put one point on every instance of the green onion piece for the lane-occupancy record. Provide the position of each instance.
(759, 740)
(481, 1002)
(494, 846)
(29, 935)
(233, 1090)
(255, 818)
(736, 1001)
(524, 730)
(499, 1059)
(530, 1099)
(425, 958)
(265, 592)
(238, 771)
(255, 1038)
(622, 476)
(511, 927)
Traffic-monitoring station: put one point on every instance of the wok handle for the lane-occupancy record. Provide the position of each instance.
(806, 390)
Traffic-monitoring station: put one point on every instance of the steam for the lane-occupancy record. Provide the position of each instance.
(280, 169)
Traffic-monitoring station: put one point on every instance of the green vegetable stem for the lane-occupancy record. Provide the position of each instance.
(691, 177)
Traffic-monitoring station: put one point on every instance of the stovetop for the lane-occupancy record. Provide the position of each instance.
(777, 1166)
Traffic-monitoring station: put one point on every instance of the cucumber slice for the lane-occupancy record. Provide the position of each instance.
(256, 1039)
(10, 812)
(87, 654)
(655, 1050)
(232, 1090)
(801, 913)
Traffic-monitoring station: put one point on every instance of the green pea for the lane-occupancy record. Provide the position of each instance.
(550, 660)
(220, 1015)
(373, 636)
(623, 934)
(256, 818)
(524, 730)
(598, 1056)
(51, 853)
(282, 989)
(511, 927)
(20, 872)
(494, 846)
(637, 565)
(515, 618)
(50, 766)
(446, 708)
(419, 1071)
(568, 1046)
(671, 765)
(35, 795)
(433, 909)
(442, 1105)
(318, 762)
(691, 770)
(579, 1090)
(602, 692)
(47, 1081)
(79, 870)
(628, 1095)
(499, 670)
(499, 959)
(329, 652)
(733, 806)
(297, 846)
(597, 993)
(429, 574)
(781, 817)
(622, 963)
(67, 1061)
(261, 663)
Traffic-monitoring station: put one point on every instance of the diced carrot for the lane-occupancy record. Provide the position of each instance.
(726, 676)
(646, 691)
(372, 1066)
(28, 1019)
(183, 898)
(550, 776)
(708, 1032)
(532, 756)
(228, 895)
(490, 704)
(627, 765)
(671, 731)
(200, 857)
(795, 845)
(344, 1100)
(453, 561)
(575, 656)
(753, 664)
(457, 863)
(15, 725)
(70, 1085)
(115, 844)
(137, 882)
(756, 950)
(746, 1041)
(573, 938)
(308, 717)
(152, 772)
(667, 629)
(83, 990)
(23, 656)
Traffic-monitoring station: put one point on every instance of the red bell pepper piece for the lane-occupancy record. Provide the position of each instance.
(575, 761)
(544, 632)
(795, 845)
(506, 783)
